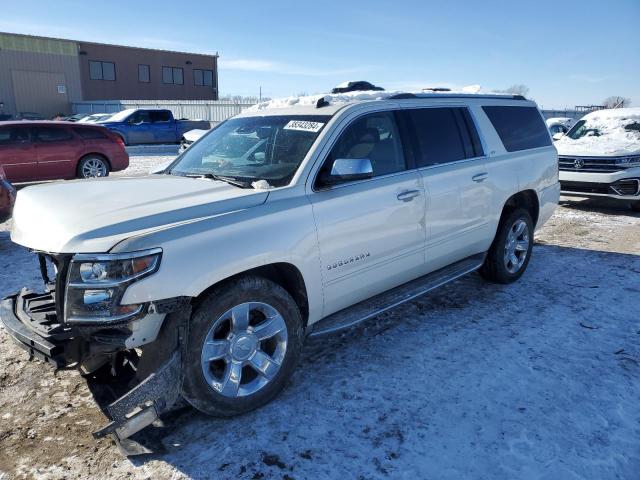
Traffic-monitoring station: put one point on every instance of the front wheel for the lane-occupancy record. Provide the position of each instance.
(510, 251)
(93, 167)
(245, 339)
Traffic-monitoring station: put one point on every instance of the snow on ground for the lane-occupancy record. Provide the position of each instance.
(539, 379)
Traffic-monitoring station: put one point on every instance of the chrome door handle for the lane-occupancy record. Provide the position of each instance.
(408, 195)
(480, 177)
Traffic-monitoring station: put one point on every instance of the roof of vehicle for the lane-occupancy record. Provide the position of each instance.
(559, 120)
(19, 123)
(328, 104)
(630, 112)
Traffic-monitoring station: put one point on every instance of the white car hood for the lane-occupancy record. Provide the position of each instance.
(193, 135)
(603, 146)
(91, 216)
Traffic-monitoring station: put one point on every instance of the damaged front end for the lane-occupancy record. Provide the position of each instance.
(130, 354)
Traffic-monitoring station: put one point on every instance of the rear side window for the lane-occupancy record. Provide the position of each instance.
(160, 116)
(13, 136)
(90, 133)
(53, 134)
(443, 135)
(519, 128)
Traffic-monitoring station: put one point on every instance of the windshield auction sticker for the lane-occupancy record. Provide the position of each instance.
(303, 126)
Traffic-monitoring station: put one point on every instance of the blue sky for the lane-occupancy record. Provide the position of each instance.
(567, 52)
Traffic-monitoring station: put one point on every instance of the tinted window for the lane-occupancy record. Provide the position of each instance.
(160, 115)
(144, 74)
(519, 128)
(90, 133)
(53, 134)
(102, 70)
(203, 77)
(375, 137)
(172, 75)
(13, 136)
(141, 116)
(470, 132)
(441, 136)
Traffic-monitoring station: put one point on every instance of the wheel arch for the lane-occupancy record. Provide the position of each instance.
(527, 199)
(287, 275)
(93, 154)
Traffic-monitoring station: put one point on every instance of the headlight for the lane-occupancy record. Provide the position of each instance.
(632, 161)
(97, 283)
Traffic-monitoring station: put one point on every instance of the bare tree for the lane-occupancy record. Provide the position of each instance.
(516, 90)
(616, 101)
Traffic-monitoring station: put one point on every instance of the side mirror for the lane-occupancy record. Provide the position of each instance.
(557, 136)
(350, 169)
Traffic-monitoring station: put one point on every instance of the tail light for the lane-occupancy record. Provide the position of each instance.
(120, 141)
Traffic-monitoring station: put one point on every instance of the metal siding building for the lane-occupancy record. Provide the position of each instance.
(45, 75)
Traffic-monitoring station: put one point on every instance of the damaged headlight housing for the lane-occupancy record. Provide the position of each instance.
(96, 285)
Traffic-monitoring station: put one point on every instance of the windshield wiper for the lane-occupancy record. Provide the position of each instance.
(230, 180)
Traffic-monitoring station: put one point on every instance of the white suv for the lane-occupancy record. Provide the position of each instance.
(600, 156)
(296, 218)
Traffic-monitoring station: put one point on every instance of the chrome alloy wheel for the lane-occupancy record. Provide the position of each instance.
(244, 349)
(94, 167)
(516, 247)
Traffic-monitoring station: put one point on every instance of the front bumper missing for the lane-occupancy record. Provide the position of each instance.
(30, 320)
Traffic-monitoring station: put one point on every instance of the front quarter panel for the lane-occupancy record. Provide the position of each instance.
(200, 254)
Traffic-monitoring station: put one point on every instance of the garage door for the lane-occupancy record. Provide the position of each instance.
(40, 92)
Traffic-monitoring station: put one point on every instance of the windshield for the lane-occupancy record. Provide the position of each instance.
(121, 116)
(598, 126)
(249, 149)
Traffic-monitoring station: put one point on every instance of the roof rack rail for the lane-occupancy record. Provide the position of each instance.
(402, 96)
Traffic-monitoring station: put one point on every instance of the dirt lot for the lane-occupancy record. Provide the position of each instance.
(539, 379)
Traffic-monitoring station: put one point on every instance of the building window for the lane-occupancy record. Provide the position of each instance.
(102, 70)
(173, 75)
(144, 73)
(203, 77)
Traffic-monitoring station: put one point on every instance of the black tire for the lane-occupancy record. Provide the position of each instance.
(196, 390)
(495, 267)
(635, 206)
(83, 166)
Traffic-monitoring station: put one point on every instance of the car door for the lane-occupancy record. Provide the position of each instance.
(452, 165)
(58, 151)
(140, 129)
(17, 153)
(370, 232)
(164, 127)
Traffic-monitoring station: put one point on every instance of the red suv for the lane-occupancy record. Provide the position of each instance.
(7, 197)
(34, 151)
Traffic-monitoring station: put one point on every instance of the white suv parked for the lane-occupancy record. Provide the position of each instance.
(297, 218)
(600, 156)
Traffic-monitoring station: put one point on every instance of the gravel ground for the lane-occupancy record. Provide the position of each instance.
(539, 379)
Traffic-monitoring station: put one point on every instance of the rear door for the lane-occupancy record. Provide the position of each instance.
(164, 127)
(370, 232)
(452, 166)
(58, 151)
(17, 153)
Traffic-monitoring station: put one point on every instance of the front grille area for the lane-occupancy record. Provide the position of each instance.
(628, 187)
(589, 164)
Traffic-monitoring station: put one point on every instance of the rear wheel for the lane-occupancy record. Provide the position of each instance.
(245, 339)
(510, 251)
(93, 166)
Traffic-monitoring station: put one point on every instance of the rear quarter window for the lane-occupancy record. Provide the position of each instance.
(90, 133)
(519, 128)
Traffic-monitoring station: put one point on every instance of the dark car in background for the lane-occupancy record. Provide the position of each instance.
(138, 126)
(32, 151)
(7, 197)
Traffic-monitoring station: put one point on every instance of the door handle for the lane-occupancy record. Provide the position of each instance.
(480, 177)
(408, 195)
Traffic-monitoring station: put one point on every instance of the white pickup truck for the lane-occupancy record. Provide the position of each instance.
(295, 218)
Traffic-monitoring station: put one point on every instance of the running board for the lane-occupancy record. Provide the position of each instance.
(390, 299)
